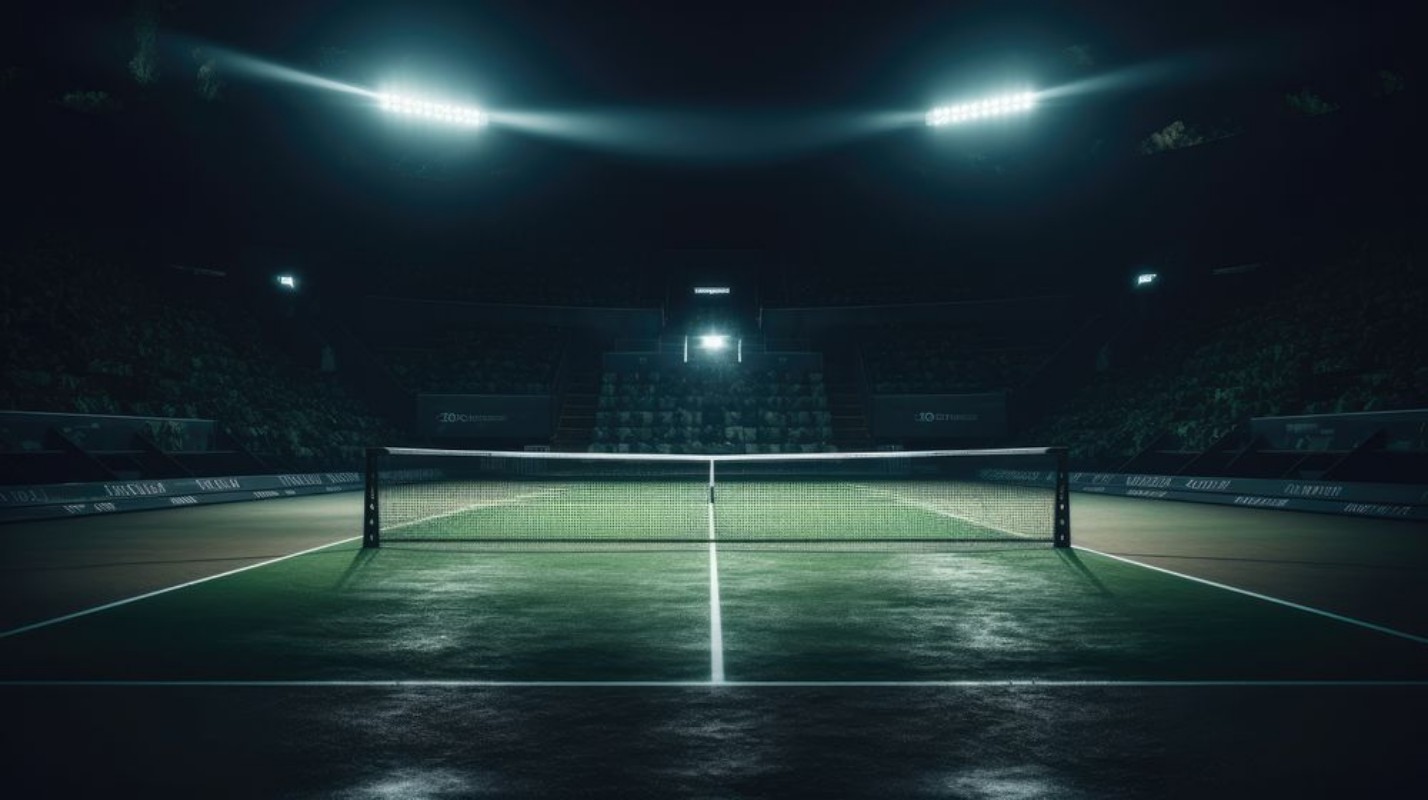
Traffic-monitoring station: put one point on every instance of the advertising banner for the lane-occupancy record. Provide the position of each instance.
(1394, 501)
(19, 503)
(940, 416)
(484, 416)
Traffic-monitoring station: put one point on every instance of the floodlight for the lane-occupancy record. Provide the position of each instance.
(1145, 279)
(288, 282)
(979, 109)
(714, 341)
(426, 109)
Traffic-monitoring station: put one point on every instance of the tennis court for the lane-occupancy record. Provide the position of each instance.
(954, 664)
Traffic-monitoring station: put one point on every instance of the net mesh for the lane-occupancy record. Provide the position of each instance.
(422, 495)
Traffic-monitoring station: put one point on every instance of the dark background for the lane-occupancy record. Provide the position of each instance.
(268, 175)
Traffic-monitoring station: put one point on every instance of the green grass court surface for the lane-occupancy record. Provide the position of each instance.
(998, 669)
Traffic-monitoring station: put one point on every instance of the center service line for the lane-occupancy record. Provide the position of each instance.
(716, 617)
(716, 622)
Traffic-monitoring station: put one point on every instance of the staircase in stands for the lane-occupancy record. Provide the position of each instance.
(846, 383)
(574, 428)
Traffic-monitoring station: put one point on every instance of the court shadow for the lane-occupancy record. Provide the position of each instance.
(1071, 559)
(360, 560)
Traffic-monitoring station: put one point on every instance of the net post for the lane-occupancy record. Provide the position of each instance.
(1061, 533)
(711, 499)
(371, 520)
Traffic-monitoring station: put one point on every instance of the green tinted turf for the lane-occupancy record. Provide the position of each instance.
(346, 613)
(460, 612)
(1034, 614)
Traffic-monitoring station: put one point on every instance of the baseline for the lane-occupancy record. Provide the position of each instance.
(1029, 683)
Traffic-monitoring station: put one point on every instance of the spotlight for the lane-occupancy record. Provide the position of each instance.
(979, 109)
(442, 112)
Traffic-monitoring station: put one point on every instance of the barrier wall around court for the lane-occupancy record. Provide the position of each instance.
(1384, 500)
(54, 501)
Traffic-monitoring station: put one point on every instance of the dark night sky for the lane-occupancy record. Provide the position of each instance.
(278, 171)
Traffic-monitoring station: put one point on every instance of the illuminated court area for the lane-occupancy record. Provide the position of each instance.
(1132, 663)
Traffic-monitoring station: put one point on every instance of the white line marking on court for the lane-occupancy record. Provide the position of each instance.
(96, 609)
(1011, 683)
(716, 616)
(716, 622)
(1268, 598)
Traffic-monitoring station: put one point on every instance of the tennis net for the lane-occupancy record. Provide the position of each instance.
(928, 496)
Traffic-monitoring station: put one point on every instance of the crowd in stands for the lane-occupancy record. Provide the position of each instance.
(81, 334)
(1344, 337)
(949, 359)
(712, 409)
(479, 361)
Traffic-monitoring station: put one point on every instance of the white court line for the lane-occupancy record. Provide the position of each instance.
(716, 616)
(96, 609)
(1268, 598)
(716, 622)
(1011, 683)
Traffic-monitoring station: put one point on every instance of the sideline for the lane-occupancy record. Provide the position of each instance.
(1268, 598)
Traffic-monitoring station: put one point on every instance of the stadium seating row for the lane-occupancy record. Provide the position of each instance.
(712, 409)
(939, 360)
(479, 361)
(1309, 348)
(84, 335)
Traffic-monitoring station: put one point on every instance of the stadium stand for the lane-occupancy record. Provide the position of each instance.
(476, 360)
(85, 335)
(951, 358)
(712, 409)
(1345, 337)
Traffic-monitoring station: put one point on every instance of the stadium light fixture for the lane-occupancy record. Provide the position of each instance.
(714, 341)
(981, 109)
(1146, 279)
(449, 113)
